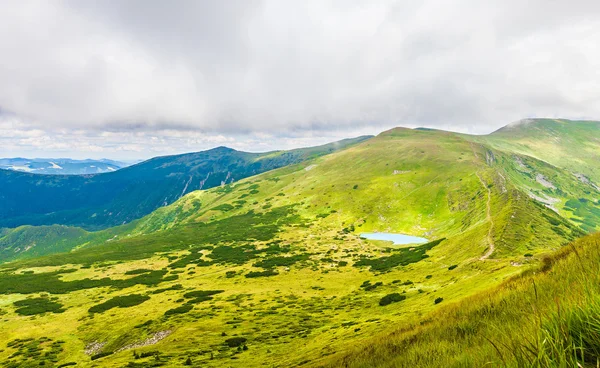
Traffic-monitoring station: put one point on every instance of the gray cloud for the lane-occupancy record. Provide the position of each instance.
(292, 69)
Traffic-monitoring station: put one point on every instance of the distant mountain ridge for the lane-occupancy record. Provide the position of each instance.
(60, 166)
(103, 200)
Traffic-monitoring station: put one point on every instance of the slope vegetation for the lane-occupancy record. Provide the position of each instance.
(272, 270)
(546, 318)
(568, 144)
(111, 199)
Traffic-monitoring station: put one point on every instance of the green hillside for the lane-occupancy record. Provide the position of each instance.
(100, 201)
(569, 144)
(546, 318)
(36, 240)
(272, 271)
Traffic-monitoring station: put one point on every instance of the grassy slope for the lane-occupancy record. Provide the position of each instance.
(416, 182)
(546, 318)
(572, 145)
(562, 147)
(40, 240)
(100, 200)
(111, 199)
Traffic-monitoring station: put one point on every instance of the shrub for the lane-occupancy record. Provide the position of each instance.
(402, 257)
(199, 296)
(119, 302)
(179, 310)
(138, 271)
(174, 287)
(201, 293)
(391, 298)
(101, 355)
(438, 300)
(223, 207)
(452, 267)
(234, 342)
(33, 306)
(280, 261)
(149, 354)
(367, 286)
(265, 273)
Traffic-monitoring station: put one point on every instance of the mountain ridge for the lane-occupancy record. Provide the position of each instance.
(109, 199)
(276, 262)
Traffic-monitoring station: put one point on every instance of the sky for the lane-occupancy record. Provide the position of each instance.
(140, 78)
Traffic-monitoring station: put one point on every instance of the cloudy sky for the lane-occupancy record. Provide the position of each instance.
(138, 78)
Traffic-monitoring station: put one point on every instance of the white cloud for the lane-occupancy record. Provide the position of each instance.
(201, 73)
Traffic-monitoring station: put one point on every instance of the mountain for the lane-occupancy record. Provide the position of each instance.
(110, 199)
(275, 269)
(569, 144)
(60, 166)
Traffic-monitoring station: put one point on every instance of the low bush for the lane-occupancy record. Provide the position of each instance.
(199, 296)
(119, 302)
(265, 273)
(280, 261)
(367, 286)
(138, 271)
(33, 306)
(391, 298)
(402, 257)
(234, 342)
(179, 310)
(101, 355)
(225, 207)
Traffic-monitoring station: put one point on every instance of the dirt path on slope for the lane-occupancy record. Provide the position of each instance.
(488, 214)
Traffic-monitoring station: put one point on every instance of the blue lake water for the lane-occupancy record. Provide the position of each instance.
(395, 238)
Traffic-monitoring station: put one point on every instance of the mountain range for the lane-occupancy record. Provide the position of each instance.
(60, 166)
(224, 258)
(103, 200)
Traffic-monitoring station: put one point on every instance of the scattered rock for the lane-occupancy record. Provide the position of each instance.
(542, 180)
(490, 159)
(585, 180)
(548, 201)
(519, 162)
(149, 341)
(93, 348)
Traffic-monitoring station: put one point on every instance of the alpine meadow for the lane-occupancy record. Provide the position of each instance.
(272, 270)
(299, 184)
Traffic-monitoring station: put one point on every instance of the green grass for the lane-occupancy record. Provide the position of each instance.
(546, 318)
(308, 302)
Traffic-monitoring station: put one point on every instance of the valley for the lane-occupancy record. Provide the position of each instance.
(272, 270)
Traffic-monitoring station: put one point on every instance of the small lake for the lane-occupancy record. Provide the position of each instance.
(395, 238)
